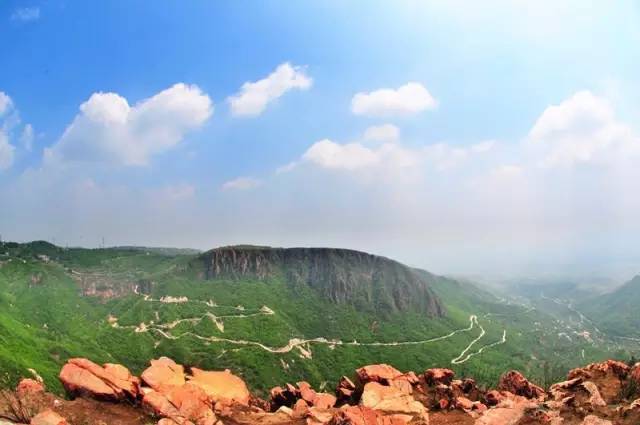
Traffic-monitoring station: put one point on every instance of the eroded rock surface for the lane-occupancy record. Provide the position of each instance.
(168, 394)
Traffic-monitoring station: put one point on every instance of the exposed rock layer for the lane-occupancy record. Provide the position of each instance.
(340, 275)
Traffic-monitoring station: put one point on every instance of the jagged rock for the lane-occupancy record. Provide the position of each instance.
(290, 395)
(300, 408)
(385, 396)
(631, 413)
(561, 390)
(324, 401)
(608, 376)
(163, 375)
(493, 397)
(345, 390)
(318, 416)
(193, 404)
(85, 378)
(595, 399)
(223, 387)
(409, 377)
(389, 400)
(158, 404)
(381, 373)
(437, 376)
(29, 386)
(515, 382)
(463, 403)
(286, 396)
(48, 417)
(508, 411)
(635, 373)
(594, 420)
(185, 404)
(306, 392)
(259, 403)
(360, 415)
(466, 387)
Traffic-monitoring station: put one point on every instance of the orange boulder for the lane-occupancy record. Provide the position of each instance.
(382, 373)
(223, 387)
(438, 376)
(163, 375)
(111, 382)
(515, 382)
(48, 417)
(29, 386)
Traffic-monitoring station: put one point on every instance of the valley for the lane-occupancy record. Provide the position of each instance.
(310, 313)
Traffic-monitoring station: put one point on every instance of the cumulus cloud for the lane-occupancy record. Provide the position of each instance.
(242, 183)
(388, 156)
(107, 129)
(254, 96)
(6, 151)
(5, 103)
(26, 14)
(27, 136)
(582, 129)
(350, 156)
(408, 99)
(382, 133)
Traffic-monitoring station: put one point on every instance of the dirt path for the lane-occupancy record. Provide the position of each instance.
(163, 329)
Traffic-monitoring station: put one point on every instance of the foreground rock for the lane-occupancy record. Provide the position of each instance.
(168, 394)
(81, 377)
(48, 417)
(515, 382)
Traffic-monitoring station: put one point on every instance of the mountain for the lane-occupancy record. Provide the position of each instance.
(617, 311)
(367, 282)
(272, 314)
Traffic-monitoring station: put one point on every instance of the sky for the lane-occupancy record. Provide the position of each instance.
(481, 138)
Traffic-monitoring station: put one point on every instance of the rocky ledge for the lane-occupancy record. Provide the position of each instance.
(167, 393)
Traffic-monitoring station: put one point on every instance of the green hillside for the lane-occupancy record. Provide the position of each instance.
(128, 305)
(617, 312)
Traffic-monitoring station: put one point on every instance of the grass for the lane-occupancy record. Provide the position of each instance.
(43, 324)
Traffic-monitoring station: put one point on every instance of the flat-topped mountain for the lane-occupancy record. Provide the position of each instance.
(366, 281)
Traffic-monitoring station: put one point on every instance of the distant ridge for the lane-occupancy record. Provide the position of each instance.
(344, 276)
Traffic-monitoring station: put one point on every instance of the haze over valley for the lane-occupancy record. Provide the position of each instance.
(319, 212)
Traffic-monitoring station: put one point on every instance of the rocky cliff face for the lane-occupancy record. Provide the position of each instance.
(343, 276)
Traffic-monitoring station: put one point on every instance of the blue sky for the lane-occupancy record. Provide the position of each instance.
(479, 132)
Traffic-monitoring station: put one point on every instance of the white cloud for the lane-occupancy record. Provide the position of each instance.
(242, 183)
(351, 156)
(409, 99)
(108, 129)
(26, 14)
(6, 151)
(444, 156)
(382, 133)
(5, 103)
(254, 96)
(390, 156)
(582, 129)
(27, 136)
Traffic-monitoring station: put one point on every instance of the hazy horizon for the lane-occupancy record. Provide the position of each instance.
(481, 140)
